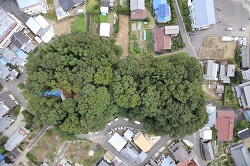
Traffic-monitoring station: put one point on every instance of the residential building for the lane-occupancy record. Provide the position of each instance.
(4, 72)
(143, 143)
(12, 58)
(166, 161)
(33, 7)
(244, 134)
(211, 71)
(40, 27)
(103, 163)
(138, 11)
(206, 133)
(8, 99)
(128, 135)
(60, 13)
(133, 155)
(211, 110)
(240, 155)
(247, 115)
(3, 108)
(9, 25)
(226, 71)
(172, 30)
(162, 41)
(246, 74)
(16, 139)
(243, 93)
(104, 29)
(225, 125)
(19, 40)
(219, 90)
(202, 13)
(5, 122)
(70, 4)
(208, 150)
(245, 63)
(162, 11)
(117, 142)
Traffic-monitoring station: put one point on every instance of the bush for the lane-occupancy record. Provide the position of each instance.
(21, 86)
(28, 116)
(136, 47)
(32, 158)
(117, 25)
(16, 110)
(123, 10)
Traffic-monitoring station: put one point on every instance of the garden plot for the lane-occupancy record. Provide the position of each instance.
(140, 39)
(123, 34)
(213, 48)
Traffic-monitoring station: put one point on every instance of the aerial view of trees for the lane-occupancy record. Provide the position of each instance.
(163, 93)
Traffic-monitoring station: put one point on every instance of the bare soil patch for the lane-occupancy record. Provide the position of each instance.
(209, 87)
(123, 34)
(213, 48)
(63, 26)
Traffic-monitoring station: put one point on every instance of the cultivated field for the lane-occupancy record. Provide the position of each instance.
(123, 34)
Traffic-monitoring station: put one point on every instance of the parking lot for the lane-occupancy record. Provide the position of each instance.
(229, 13)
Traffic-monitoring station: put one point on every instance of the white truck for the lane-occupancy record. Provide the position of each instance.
(226, 39)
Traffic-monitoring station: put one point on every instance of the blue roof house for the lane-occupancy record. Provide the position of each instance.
(162, 11)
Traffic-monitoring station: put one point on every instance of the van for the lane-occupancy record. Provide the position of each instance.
(242, 29)
(137, 122)
(228, 29)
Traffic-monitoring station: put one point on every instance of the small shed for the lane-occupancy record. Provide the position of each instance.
(104, 29)
(219, 90)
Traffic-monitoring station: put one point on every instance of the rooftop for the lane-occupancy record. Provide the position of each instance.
(208, 150)
(240, 155)
(5, 122)
(137, 4)
(244, 134)
(211, 70)
(225, 125)
(19, 39)
(138, 14)
(68, 4)
(24, 3)
(142, 142)
(3, 108)
(173, 29)
(117, 141)
(104, 29)
(211, 110)
(246, 74)
(162, 41)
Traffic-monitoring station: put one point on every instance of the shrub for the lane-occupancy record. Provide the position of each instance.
(21, 86)
(16, 110)
(32, 158)
(28, 116)
(123, 10)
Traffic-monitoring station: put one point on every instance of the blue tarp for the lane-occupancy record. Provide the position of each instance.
(103, 13)
(162, 11)
(1, 157)
(3, 61)
(55, 93)
(21, 54)
(157, 3)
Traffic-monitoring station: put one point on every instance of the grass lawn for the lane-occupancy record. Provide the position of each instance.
(149, 39)
(79, 24)
(103, 18)
(229, 99)
(93, 6)
(238, 126)
(51, 15)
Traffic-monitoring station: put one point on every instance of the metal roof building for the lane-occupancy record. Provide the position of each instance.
(211, 110)
(5, 122)
(137, 4)
(244, 134)
(208, 150)
(117, 142)
(131, 154)
(240, 155)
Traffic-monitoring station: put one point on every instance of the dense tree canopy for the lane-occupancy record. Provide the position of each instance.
(164, 93)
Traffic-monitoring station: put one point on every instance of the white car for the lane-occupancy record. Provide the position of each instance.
(125, 119)
(137, 122)
(242, 29)
(109, 123)
(116, 119)
(97, 132)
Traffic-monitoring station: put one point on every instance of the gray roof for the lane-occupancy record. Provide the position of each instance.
(220, 89)
(105, 3)
(8, 54)
(204, 12)
(230, 70)
(245, 56)
(211, 110)
(103, 163)
(128, 134)
(246, 74)
(4, 72)
(19, 39)
(5, 122)
(9, 102)
(181, 154)
(16, 139)
(208, 150)
(171, 30)
(67, 4)
(3, 108)
(131, 154)
(240, 155)
(223, 70)
(212, 70)
(29, 47)
(137, 4)
(243, 134)
(247, 95)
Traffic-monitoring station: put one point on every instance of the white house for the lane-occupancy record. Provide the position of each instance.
(33, 7)
(104, 29)
(211, 71)
(9, 25)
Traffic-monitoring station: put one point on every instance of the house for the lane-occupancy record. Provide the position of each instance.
(33, 7)
(16, 139)
(40, 27)
(246, 74)
(219, 90)
(138, 11)
(192, 163)
(69, 4)
(245, 63)
(4, 71)
(202, 13)
(117, 141)
(211, 72)
(225, 125)
(247, 115)
(206, 133)
(208, 150)
(104, 29)
(142, 142)
(243, 93)
(244, 134)
(5, 122)
(172, 30)
(162, 11)
(240, 155)
(8, 99)
(167, 161)
(9, 26)
(19, 39)
(11, 57)
(103, 163)
(128, 135)
(60, 13)
(104, 10)
(211, 110)
(3, 108)
(162, 42)
(132, 155)
(226, 71)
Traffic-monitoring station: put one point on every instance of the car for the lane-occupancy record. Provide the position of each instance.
(137, 122)
(191, 33)
(242, 29)
(116, 119)
(126, 119)
(228, 29)
(109, 123)
(97, 132)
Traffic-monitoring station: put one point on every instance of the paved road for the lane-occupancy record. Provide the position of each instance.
(62, 151)
(12, 87)
(37, 138)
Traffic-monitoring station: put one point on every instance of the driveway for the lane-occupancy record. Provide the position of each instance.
(12, 7)
(229, 13)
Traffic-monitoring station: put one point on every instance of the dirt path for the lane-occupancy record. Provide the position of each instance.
(123, 35)
(63, 27)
